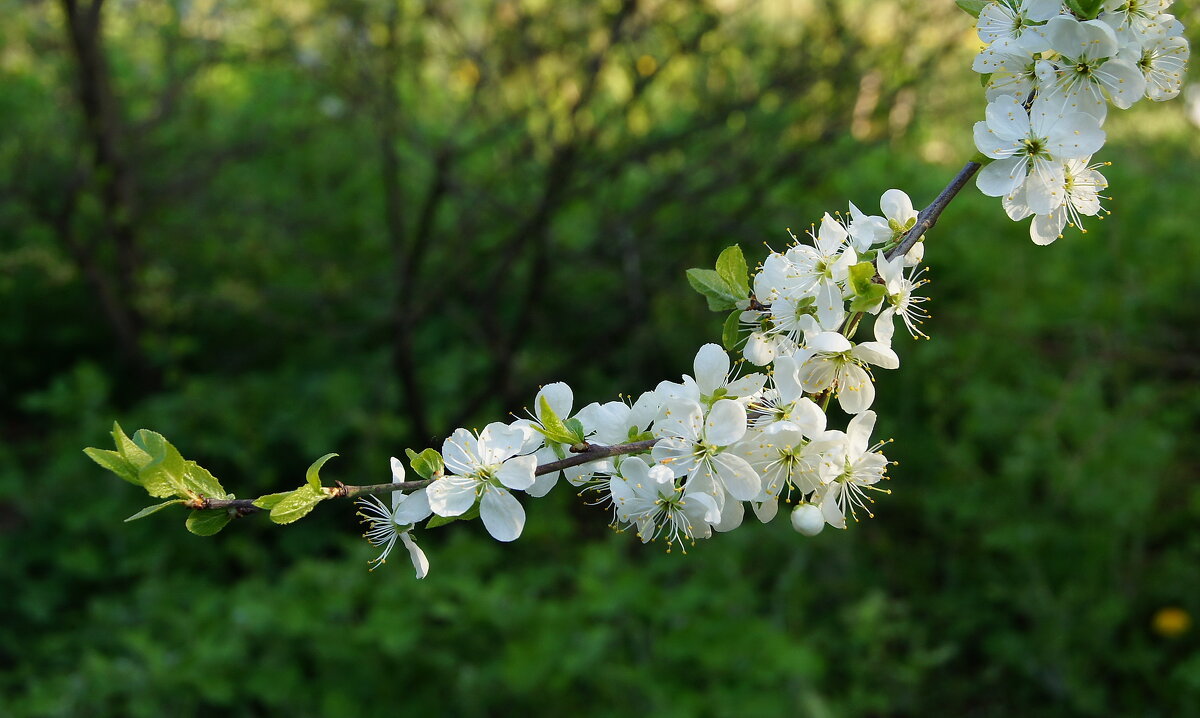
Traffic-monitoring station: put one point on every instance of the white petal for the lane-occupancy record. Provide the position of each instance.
(681, 418)
(725, 423)
(885, 328)
(560, 398)
(1046, 228)
(460, 452)
(829, 342)
(502, 514)
(807, 519)
(739, 478)
(416, 555)
(858, 433)
(857, 392)
(517, 473)
(452, 495)
(498, 441)
(543, 484)
(411, 508)
(897, 205)
(1001, 177)
(877, 353)
(712, 367)
(731, 516)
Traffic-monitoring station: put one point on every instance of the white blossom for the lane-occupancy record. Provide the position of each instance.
(483, 469)
(386, 524)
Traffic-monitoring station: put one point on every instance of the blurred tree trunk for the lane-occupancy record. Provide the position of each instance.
(116, 289)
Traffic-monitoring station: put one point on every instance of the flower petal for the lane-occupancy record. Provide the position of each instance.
(452, 495)
(517, 473)
(502, 514)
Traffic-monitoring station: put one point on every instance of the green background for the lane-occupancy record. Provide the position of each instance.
(341, 225)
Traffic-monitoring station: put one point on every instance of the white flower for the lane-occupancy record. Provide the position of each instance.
(386, 525)
(798, 318)
(1135, 20)
(1029, 148)
(784, 406)
(849, 469)
(648, 498)
(1162, 61)
(1081, 188)
(1088, 69)
(1013, 70)
(1015, 20)
(808, 519)
(900, 299)
(697, 446)
(827, 261)
(786, 461)
(839, 366)
(483, 469)
(899, 217)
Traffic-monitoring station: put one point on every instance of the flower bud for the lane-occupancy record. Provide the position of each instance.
(807, 519)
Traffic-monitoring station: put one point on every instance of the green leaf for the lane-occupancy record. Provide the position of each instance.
(721, 297)
(199, 480)
(153, 509)
(1086, 9)
(972, 7)
(313, 475)
(553, 427)
(295, 505)
(867, 301)
(575, 426)
(114, 462)
(206, 522)
(984, 79)
(731, 267)
(268, 501)
(861, 275)
(729, 332)
(427, 464)
(163, 477)
(129, 451)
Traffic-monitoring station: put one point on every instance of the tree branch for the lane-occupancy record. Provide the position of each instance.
(929, 216)
(590, 453)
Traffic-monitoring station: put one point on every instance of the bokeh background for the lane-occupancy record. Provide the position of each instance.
(275, 229)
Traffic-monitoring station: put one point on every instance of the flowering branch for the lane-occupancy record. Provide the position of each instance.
(586, 454)
(689, 457)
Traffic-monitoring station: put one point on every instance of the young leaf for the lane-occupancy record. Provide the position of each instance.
(163, 477)
(972, 7)
(153, 509)
(866, 301)
(731, 266)
(313, 475)
(129, 451)
(207, 522)
(199, 480)
(268, 501)
(721, 297)
(575, 426)
(1086, 9)
(729, 332)
(296, 504)
(861, 275)
(115, 463)
(984, 79)
(552, 427)
(427, 464)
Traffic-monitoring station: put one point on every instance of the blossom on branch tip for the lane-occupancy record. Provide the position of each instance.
(386, 525)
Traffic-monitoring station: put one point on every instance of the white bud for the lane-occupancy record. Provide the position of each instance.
(807, 519)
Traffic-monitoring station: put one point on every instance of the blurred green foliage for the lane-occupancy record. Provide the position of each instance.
(342, 225)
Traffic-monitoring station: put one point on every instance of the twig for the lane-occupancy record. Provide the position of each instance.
(929, 216)
(590, 453)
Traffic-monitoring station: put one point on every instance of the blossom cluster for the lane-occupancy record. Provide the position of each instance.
(1050, 76)
(693, 454)
(685, 459)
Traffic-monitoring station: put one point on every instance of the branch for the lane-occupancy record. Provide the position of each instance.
(590, 453)
(929, 216)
